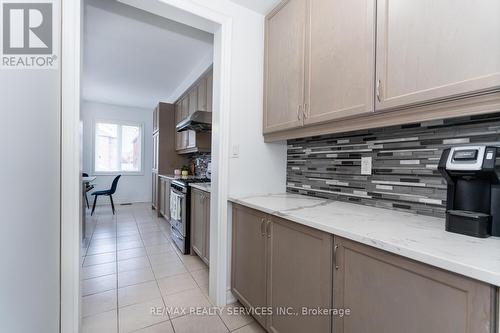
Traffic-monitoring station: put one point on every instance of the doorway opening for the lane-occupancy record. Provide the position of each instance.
(73, 132)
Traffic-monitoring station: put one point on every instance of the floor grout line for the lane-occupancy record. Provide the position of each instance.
(145, 231)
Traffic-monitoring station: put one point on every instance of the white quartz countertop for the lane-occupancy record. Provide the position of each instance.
(201, 186)
(417, 237)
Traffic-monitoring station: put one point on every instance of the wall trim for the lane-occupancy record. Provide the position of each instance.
(71, 198)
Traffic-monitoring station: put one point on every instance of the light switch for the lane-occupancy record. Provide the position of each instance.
(366, 165)
(235, 151)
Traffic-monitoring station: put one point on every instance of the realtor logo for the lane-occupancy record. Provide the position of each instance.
(28, 34)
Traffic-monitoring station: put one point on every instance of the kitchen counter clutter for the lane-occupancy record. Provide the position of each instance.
(206, 187)
(417, 237)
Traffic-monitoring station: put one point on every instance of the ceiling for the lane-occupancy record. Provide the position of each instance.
(260, 6)
(135, 58)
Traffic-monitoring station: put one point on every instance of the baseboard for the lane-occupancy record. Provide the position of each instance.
(230, 299)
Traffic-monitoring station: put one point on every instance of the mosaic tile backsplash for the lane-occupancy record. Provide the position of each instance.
(200, 161)
(404, 163)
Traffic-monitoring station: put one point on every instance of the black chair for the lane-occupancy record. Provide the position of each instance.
(87, 188)
(109, 193)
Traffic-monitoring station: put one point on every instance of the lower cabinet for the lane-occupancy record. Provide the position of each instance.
(280, 267)
(162, 189)
(391, 294)
(283, 267)
(155, 190)
(249, 260)
(164, 197)
(200, 223)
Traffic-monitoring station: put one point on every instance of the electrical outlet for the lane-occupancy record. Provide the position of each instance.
(366, 165)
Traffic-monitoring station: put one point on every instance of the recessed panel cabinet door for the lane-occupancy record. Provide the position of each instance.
(340, 59)
(197, 222)
(391, 294)
(284, 66)
(429, 50)
(300, 277)
(207, 228)
(249, 259)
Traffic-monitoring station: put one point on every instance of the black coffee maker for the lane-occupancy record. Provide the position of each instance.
(473, 192)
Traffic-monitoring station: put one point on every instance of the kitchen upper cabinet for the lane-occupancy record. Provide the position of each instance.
(284, 66)
(200, 223)
(193, 101)
(430, 50)
(249, 259)
(197, 98)
(210, 90)
(201, 91)
(300, 276)
(340, 59)
(178, 118)
(391, 294)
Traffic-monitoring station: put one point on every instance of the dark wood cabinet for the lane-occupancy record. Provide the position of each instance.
(391, 294)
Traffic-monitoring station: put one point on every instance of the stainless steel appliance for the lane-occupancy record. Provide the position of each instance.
(198, 121)
(180, 203)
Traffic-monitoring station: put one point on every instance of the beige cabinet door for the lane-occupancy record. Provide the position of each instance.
(210, 92)
(340, 59)
(184, 114)
(284, 66)
(198, 222)
(249, 259)
(201, 90)
(430, 50)
(154, 192)
(391, 294)
(300, 276)
(161, 203)
(166, 199)
(206, 257)
(178, 118)
(193, 100)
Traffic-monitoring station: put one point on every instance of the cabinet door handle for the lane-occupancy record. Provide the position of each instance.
(298, 111)
(335, 248)
(306, 111)
(268, 228)
(262, 227)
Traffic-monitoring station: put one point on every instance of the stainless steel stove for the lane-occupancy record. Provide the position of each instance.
(180, 212)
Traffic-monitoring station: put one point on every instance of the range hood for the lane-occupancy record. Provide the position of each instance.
(199, 121)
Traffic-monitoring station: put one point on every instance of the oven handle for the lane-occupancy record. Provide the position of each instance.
(179, 193)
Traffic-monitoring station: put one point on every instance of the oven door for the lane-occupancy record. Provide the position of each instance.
(178, 211)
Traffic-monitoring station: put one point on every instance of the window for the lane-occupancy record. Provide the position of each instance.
(117, 147)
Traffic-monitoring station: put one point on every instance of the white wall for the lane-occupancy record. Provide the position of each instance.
(131, 188)
(29, 200)
(260, 167)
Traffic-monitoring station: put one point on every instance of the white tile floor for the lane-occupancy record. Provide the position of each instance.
(130, 267)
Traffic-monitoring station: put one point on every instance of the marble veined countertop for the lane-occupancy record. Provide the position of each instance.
(417, 237)
(201, 186)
